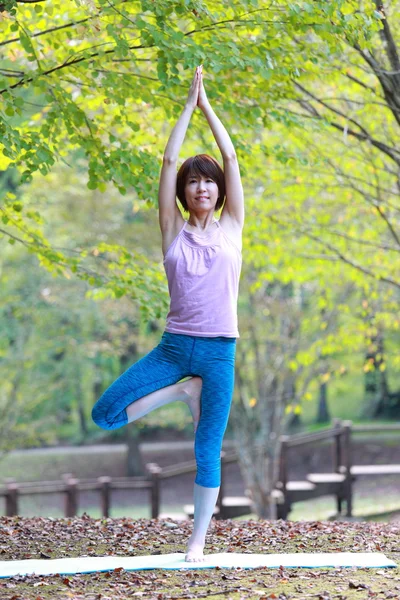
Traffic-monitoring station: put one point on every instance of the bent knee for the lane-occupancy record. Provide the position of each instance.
(98, 417)
(102, 418)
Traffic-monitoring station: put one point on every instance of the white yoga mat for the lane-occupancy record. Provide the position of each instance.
(89, 564)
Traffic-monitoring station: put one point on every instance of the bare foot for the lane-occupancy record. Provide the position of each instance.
(192, 389)
(195, 553)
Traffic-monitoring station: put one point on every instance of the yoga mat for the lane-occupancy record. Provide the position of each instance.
(89, 564)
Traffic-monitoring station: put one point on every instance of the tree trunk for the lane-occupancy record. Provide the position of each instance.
(293, 423)
(257, 447)
(376, 387)
(265, 385)
(80, 401)
(134, 466)
(323, 415)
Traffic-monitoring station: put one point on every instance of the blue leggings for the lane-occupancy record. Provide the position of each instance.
(178, 356)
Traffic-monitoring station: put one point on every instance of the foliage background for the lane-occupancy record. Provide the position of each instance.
(89, 94)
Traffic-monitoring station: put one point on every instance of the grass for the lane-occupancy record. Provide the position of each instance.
(51, 463)
(91, 462)
(87, 461)
(323, 508)
(345, 397)
(48, 464)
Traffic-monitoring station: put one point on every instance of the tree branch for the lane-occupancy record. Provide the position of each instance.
(72, 24)
(389, 83)
(359, 82)
(386, 35)
(363, 242)
(363, 136)
(93, 55)
(389, 224)
(340, 255)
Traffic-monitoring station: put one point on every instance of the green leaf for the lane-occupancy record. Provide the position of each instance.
(26, 42)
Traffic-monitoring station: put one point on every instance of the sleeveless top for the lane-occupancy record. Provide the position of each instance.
(203, 275)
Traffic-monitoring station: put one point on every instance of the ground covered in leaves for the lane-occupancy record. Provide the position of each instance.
(22, 538)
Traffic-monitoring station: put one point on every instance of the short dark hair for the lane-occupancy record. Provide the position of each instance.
(201, 164)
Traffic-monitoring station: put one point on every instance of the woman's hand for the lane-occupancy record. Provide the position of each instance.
(202, 100)
(194, 90)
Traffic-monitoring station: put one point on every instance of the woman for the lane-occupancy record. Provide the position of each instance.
(202, 260)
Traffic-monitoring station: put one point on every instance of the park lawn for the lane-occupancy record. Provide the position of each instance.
(346, 395)
(93, 461)
(55, 538)
(46, 464)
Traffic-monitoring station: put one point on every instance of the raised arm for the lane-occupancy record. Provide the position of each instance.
(168, 210)
(234, 203)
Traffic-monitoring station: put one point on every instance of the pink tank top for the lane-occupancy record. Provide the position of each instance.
(203, 275)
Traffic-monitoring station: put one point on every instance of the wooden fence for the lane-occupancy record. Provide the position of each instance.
(338, 482)
(70, 487)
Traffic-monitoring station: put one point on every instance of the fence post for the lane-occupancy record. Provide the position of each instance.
(71, 497)
(337, 451)
(105, 489)
(284, 508)
(347, 464)
(11, 498)
(154, 470)
(337, 456)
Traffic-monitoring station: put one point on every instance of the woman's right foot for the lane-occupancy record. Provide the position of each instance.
(192, 390)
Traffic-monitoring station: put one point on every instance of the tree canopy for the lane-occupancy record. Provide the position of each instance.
(310, 94)
(104, 81)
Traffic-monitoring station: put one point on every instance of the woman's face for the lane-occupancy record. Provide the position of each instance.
(201, 193)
